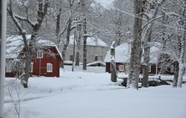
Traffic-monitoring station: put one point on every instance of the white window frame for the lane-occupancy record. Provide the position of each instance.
(121, 68)
(49, 67)
(39, 54)
(31, 67)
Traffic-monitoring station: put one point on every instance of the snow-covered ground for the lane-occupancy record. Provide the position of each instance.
(91, 94)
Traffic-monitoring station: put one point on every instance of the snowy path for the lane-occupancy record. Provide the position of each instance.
(92, 95)
(154, 103)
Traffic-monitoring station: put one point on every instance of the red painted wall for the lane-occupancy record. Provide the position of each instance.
(107, 68)
(40, 64)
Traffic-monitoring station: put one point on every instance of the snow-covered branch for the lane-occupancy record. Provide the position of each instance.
(26, 19)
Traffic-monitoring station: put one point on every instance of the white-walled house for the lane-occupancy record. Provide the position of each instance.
(96, 49)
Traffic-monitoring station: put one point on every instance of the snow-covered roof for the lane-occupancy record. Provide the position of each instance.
(91, 41)
(122, 54)
(14, 45)
(96, 63)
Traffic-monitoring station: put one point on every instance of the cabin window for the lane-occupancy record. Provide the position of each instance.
(149, 68)
(39, 54)
(31, 67)
(49, 67)
(121, 68)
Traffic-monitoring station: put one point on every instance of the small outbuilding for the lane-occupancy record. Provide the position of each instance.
(122, 59)
(46, 58)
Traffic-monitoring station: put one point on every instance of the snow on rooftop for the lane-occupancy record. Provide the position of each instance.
(122, 54)
(91, 41)
(15, 44)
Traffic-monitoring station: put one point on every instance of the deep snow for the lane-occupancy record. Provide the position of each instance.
(91, 94)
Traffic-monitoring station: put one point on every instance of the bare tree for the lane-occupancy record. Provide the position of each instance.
(176, 49)
(182, 24)
(151, 15)
(66, 12)
(40, 13)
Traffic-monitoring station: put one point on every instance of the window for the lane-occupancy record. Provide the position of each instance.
(39, 54)
(96, 58)
(49, 67)
(121, 68)
(31, 67)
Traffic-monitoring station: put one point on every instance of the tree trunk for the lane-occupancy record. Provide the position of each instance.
(176, 64)
(66, 42)
(118, 25)
(153, 14)
(182, 60)
(112, 63)
(83, 6)
(136, 45)
(147, 55)
(78, 42)
(58, 26)
(146, 66)
(74, 44)
(176, 73)
(84, 44)
(183, 50)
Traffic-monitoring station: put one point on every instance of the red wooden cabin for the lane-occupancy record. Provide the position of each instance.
(45, 60)
(122, 59)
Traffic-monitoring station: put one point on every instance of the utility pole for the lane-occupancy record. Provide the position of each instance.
(3, 5)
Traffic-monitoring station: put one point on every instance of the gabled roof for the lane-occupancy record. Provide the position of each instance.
(91, 41)
(15, 45)
(122, 54)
